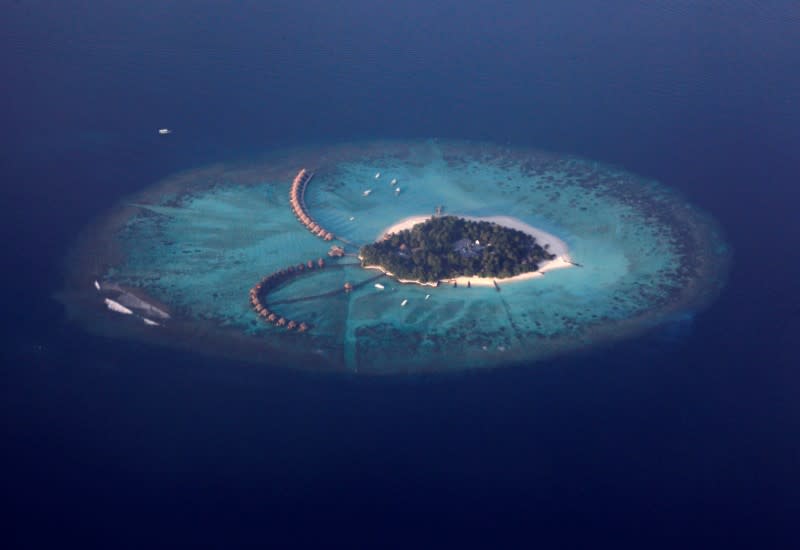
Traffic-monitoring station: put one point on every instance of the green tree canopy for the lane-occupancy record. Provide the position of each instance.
(445, 247)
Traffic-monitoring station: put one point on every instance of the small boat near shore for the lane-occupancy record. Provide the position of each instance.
(377, 175)
(367, 192)
(403, 303)
(379, 286)
(164, 131)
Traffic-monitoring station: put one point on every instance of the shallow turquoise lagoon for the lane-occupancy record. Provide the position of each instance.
(197, 242)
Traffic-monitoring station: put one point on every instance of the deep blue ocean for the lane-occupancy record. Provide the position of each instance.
(689, 436)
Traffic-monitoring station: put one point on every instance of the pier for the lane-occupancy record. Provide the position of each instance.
(259, 291)
(297, 200)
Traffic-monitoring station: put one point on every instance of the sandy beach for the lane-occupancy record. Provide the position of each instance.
(557, 247)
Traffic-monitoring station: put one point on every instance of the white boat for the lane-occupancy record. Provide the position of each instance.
(427, 296)
(397, 191)
(116, 306)
(379, 286)
(164, 131)
(377, 175)
(96, 284)
(352, 218)
(367, 192)
(394, 181)
(403, 303)
(150, 323)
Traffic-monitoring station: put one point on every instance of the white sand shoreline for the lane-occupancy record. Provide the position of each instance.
(557, 247)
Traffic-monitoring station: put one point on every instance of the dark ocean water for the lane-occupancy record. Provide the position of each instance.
(688, 436)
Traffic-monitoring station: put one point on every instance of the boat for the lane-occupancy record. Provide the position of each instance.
(377, 175)
(379, 286)
(393, 182)
(150, 323)
(427, 296)
(352, 218)
(367, 192)
(397, 191)
(403, 303)
(164, 131)
(97, 285)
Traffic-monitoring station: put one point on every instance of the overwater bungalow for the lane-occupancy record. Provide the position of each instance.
(272, 318)
(310, 264)
(321, 263)
(291, 325)
(302, 327)
(348, 287)
(281, 322)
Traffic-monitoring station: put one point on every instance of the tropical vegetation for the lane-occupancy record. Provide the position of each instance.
(446, 247)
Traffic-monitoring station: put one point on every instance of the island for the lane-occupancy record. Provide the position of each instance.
(453, 248)
(582, 254)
